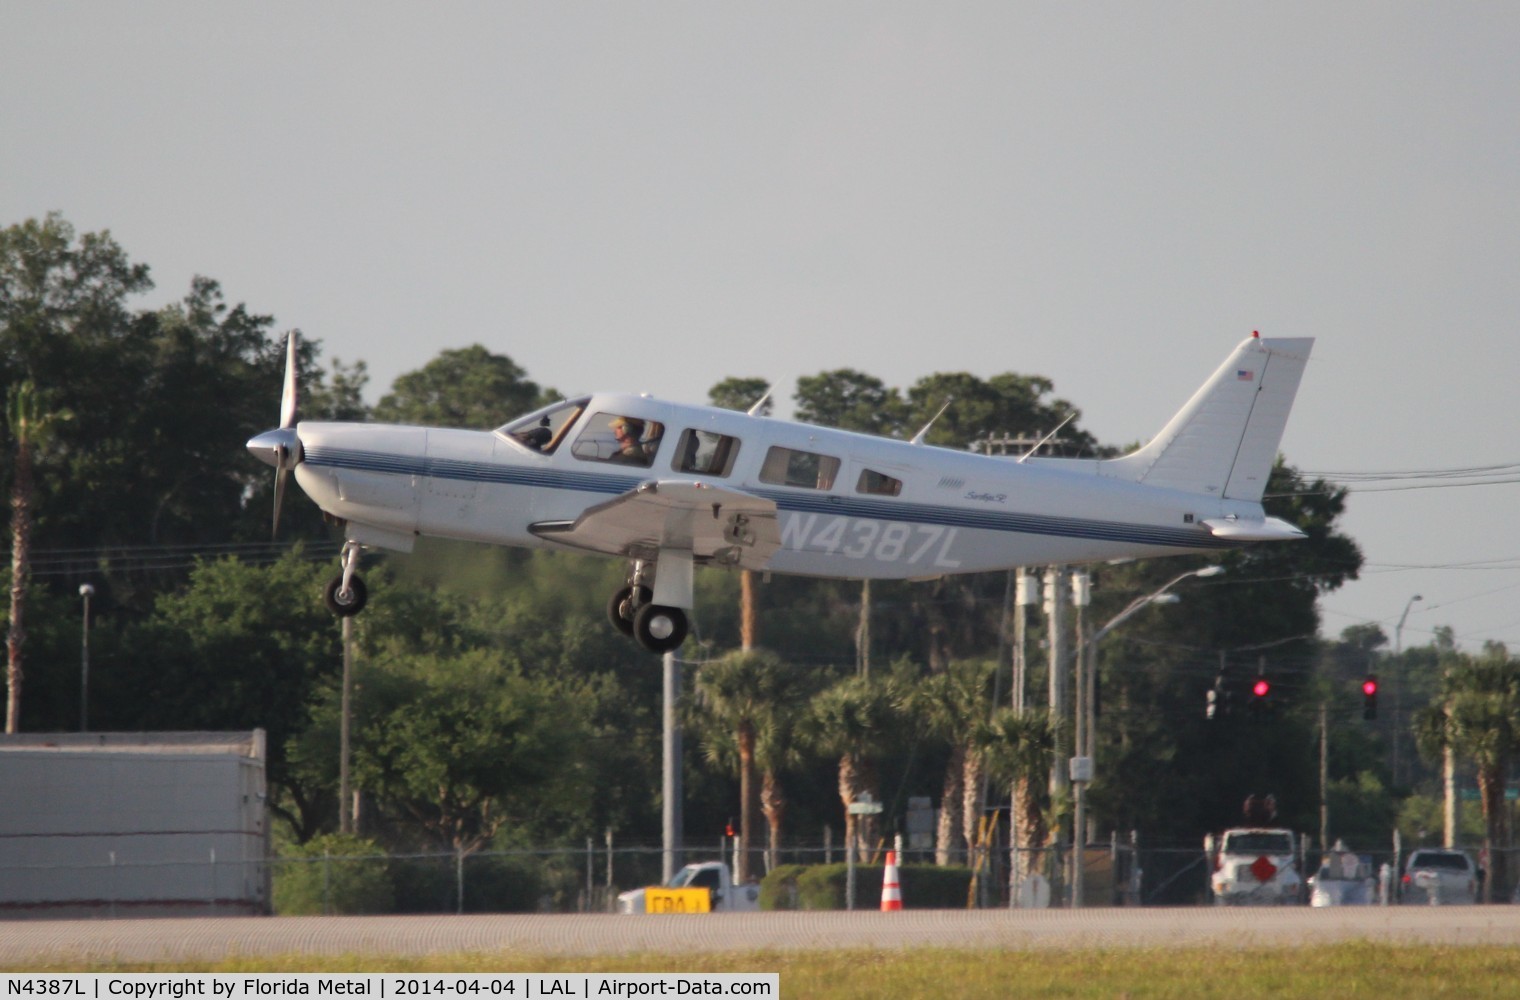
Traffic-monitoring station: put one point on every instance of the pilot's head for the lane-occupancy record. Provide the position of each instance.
(627, 428)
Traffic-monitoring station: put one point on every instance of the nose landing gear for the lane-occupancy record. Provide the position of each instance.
(346, 594)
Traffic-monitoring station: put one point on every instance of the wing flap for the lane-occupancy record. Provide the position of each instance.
(715, 524)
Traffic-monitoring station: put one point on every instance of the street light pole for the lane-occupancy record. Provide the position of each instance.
(1398, 687)
(86, 591)
(345, 799)
(1087, 660)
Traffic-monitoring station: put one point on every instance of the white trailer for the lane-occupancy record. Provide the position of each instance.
(133, 824)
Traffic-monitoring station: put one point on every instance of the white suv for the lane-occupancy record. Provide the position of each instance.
(1255, 866)
(1439, 875)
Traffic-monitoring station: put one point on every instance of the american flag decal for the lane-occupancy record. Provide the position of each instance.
(1242, 375)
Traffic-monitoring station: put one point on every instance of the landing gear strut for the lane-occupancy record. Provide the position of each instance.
(624, 605)
(346, 593)
(656, 627)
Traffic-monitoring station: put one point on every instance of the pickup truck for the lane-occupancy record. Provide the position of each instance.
(1254, 865)
(705, 887)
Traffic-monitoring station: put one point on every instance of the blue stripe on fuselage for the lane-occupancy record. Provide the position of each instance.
(790, 501)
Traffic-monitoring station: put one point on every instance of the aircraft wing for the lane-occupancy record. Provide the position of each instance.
(716, 525)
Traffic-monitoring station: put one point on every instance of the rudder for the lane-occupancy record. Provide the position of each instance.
(1224, 441)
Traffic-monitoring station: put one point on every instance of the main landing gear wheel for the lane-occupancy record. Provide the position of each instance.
(621, 609)
(659, 629)
(345, 605)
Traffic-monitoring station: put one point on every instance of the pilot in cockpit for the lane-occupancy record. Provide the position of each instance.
(630, 449)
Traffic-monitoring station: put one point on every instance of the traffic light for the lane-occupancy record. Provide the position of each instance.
(1369, 696)
(1217, 700)
(1261, 690)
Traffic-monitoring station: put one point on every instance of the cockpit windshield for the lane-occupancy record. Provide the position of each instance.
(543, 430)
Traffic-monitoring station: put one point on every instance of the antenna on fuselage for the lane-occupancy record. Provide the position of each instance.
(919, 437)
(1069, 418)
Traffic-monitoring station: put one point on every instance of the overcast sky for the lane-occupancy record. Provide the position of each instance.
(656, 196)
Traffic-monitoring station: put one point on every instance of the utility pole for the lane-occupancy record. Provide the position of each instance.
(671, 792)
(345, 801)
(1324, 778)
(1026, 593)
(1081, 763)
(86, 591)
(1060, 700)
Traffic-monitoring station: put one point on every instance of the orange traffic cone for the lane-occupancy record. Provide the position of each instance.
(891, 892)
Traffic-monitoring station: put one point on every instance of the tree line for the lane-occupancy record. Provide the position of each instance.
(494, 708)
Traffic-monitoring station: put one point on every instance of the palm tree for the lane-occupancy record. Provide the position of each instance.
(30, 426)
(1478, 717)
(1016, 748)
(740, 695)
(949, 705)
(855, 721)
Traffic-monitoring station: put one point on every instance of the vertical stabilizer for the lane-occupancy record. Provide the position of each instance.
(1224, 441)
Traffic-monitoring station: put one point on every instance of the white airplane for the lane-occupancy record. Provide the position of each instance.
(669, 487)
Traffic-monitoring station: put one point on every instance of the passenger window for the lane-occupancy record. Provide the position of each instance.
(704, 453)
(787, 467)
(612, 437)
(878, 483)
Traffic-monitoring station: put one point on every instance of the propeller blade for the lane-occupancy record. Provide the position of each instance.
(288, 397)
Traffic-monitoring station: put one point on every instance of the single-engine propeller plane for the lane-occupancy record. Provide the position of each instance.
(669, 487)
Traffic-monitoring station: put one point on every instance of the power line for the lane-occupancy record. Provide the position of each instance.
(145, 558)
(1397, 480)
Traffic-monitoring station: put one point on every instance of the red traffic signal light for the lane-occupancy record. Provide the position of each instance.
(1261, 688)
(1369, 686)
(1369, 696)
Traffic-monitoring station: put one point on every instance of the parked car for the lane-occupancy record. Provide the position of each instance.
(706, 887)
(1440, 876)
(1254, 866)
(1343, 879)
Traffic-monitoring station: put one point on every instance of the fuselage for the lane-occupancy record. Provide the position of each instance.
(847, 505)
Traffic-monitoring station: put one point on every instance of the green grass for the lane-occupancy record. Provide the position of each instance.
(1377, 971)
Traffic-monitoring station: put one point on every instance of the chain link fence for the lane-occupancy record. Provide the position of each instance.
(579, 880)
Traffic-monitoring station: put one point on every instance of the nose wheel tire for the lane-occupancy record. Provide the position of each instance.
(659, 629)
(349, 604)
(621, 609)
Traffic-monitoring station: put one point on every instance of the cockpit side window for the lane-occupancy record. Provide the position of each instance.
(613, 437)
(704, 453)
(543, 430)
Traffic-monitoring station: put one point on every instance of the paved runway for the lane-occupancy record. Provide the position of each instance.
(33, 942)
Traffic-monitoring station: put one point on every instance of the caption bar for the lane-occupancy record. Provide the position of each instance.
(387, 985)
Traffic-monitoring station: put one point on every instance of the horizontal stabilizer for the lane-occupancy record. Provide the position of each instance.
(1270, 529)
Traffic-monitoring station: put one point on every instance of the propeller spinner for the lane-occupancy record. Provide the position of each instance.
(281, 447)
